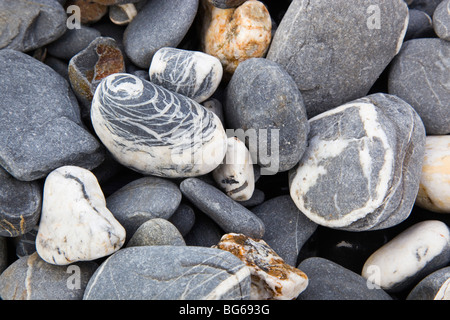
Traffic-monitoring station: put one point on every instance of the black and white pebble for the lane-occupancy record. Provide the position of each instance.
(419, 75)
(180, 273)
(441, 20)
(227, 213)
(362, 168)
(155, 131)
(194, 74)
(435, 286)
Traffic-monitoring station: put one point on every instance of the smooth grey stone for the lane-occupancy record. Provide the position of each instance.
(3, 254)
(31, 278)
(362, 168)
(441, 20)
(143, 199)
(150, 30)
(420, 25)
(279, 106)
(419, 75)
(227, 213)
(428, 6)
(20, 205)
(72, 42)
(435, 286)
(27, 25)
(257, 198)
(170, 273)
(331, 60)
(226, 4)
(183, 218)
(204, 233)
(156, 232)
(41, 124)
(287, 228)
(331, 281)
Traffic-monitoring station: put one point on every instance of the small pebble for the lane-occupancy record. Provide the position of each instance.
(156, 232)
(183, 218)
(441, 20)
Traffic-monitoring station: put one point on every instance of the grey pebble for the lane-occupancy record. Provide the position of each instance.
(156, 232)
(183, 218)
(428, 6)
(420, 25)
(3, 254)
(435, 286)
(204, 233)
(257, 198)
(441, 20)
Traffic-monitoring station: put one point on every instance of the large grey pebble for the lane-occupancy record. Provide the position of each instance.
(441, 20)
(156, 232)
(435, 286)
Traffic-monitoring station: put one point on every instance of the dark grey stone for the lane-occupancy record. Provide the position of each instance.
(60, 66)
(26, 244)
(336, 50)
(20, 205)
(170, 273)
(156, 232)
(227, 213)
(226, 4)
(428, 6)
(31, 278)
(419, 75)
(3, 254)
(257, 198)
(279, 106)
(330, 281)
(160, 23)
(183, 218)
(41, 125)
(434, 286)
(420, 25)
(441, 20)
(204, 233)
(143, 199)
(27, 25)
(287, 228)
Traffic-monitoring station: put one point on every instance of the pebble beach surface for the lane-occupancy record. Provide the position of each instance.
(224, 150)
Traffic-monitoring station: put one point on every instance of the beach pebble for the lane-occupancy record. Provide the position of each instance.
(194, 74)
(276, 116)
(156, 232)
(90, 12)
(183, 218)
(420, 25)
(428, 6)
(226, 4)
(287, 228)
(181, 273)
(414, 253)
(441, 20)
(31, 278)
(204, 233)
(235, 175)
(341, 182)
(419, 75)
(331, 60)
(434, 188)
(41, 126)
(160, 23)
(25, 244)
(435, 286)
(237, 34)
(75, 223)
(272, 278)
(331, 281)
(27, 25)
(155, 131)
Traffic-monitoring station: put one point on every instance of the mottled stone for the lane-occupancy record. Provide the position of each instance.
(75, 223)
(237, 34)
(227, 213)
(122, 14)
(419, 75)
(156, 232)
(441, 20)
(181, 273)
(272, 278)
(155, 131)
(287, 228)
(331, 59)
(41, 126)
(361, 170)
(183, 218)
(20, 205)
(435, 286)
(90, 12)
(434, 188)
(414, 253)
(194, 74)
(27, 25)
(226, 4)
(101, 58)
(150, 31)
(331, 281)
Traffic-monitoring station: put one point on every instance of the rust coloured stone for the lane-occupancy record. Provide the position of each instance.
(90, 12)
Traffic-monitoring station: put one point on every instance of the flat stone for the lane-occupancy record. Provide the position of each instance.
(156, 232)
(275, 115)
(331, 69)
(27, 25)
(441, 20)
(150, 31)
(272, 278)
(31, 278)
(155, 131)
(181, 273)
(194, 74)
(435, 286)
(144, 199)
(41, 124)
(419, 75)
(183, 218)
(330, 281)
(20, 205)
(75, 223)
(406, 259)
(227, 213)
(341, 182)
(287, 228)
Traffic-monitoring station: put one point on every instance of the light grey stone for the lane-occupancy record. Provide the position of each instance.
(441, 20)
(156, 232)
